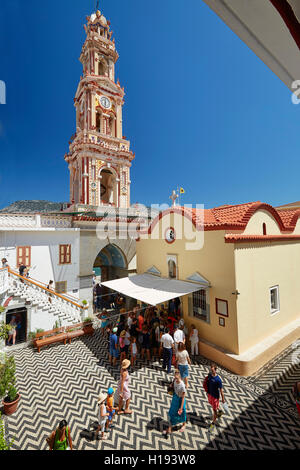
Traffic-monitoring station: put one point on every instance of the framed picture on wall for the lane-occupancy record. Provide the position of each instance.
(221, 321)
(222, 307)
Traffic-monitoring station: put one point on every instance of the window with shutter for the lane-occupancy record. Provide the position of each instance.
(24, 255)
(64, 254)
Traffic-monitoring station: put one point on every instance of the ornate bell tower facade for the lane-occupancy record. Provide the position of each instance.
(99, 158)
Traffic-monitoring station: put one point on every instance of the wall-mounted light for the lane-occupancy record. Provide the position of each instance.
(236, 292)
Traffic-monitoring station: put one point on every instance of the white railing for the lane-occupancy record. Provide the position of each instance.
(34, 221)
(66, 310)
(3, 280)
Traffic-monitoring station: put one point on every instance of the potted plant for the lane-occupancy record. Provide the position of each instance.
(7, 385)
(88, 326)
(31, 336)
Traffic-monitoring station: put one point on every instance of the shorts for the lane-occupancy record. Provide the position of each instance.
(146, 346)
(215, 402)
(123, 350)
(111, 415)
(113, 352)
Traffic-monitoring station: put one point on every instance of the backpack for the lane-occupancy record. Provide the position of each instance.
(205, 383)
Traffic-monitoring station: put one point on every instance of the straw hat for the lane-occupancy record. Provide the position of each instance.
(102, 397)
(125, 364)
(123, 334)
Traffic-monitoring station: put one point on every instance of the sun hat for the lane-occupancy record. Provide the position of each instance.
(102, 397)
(110, 391)
(115, 330)
(125, 364)
(123, 334)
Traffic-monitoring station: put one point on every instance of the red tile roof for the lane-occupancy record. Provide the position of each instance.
(232, 217)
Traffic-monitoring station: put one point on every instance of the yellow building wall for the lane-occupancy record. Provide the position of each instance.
(255, 224)
(260, 266)
(214, 262)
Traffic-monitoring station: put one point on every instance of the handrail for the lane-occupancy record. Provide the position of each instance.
(44, 284)
(46, 290)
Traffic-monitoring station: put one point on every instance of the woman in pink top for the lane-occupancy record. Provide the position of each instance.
(123, 389)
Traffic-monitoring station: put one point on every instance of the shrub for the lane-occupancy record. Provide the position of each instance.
(7, 376)
(4, 445)
(4, 330)
(12, 394)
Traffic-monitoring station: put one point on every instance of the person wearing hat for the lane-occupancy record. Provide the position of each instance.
(102, 417)
(123, 389)
(113, 347)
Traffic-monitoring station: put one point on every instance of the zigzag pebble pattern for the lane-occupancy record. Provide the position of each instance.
(63, 382)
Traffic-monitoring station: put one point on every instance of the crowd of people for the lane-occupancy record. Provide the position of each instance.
(155, 333)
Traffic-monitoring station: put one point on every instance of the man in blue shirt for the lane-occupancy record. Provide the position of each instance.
(214, 389)
(113, 347)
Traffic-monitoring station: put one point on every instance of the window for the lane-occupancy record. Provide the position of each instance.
(24, 255)
(172, 266)
(274, 299)
(264, 229)
(61, 287)
(64, 254)
(200, 307)
(172, 269)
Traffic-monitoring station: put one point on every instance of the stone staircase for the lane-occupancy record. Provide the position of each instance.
(64, 310)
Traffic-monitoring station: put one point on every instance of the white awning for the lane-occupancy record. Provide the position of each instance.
(152, 290)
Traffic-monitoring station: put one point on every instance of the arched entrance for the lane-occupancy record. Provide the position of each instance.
(108, 187)
(110, 264)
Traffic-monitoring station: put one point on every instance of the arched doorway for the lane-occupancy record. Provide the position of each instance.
(110, 264)
(109, 187)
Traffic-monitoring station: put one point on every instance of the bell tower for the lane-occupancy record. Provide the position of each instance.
(99, 159)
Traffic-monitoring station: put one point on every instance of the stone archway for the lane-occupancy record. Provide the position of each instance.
(110, 263)
(108, 187)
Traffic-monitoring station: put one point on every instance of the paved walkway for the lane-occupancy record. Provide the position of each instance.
(63, 382)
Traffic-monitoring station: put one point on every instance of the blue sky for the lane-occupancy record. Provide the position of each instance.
(201, 111)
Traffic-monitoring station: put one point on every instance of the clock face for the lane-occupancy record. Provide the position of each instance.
(105, 102)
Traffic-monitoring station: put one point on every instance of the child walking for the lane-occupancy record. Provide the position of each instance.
(110, 408)
(133, 350)
(194, 339)
(102, 417)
